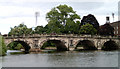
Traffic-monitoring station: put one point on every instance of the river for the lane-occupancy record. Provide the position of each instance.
(61, 59)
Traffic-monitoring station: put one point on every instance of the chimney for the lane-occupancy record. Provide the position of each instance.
(107, 19)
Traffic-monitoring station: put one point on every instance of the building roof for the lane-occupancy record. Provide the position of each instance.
(115, 22)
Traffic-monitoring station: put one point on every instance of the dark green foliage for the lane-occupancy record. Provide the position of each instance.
(106, 29)
(71, 28)
(39, 30)
(48, 44)
(3, 48)
(15, 46)
(88, 29)
(63, 19)
(20, 30)
(91, 20)
(19, 46)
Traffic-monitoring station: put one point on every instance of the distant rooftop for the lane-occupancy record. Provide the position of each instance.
(116, 22)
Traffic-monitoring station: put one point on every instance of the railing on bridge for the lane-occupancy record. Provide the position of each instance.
(60, 35)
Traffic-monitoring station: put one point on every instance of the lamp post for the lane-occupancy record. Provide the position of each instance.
(36, 16)
(113, 16)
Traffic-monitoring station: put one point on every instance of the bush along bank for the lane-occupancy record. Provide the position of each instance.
(3, 48)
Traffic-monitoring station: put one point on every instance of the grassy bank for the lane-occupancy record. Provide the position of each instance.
(3, 47)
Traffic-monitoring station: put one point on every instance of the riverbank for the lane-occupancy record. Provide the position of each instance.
(3, 48)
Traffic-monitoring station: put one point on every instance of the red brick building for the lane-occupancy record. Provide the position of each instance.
(116, 26)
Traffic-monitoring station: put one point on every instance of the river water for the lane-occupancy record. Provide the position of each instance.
(62, 59)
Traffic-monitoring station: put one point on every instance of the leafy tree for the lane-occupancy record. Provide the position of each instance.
(12, 45)
(47, 30)
(106, 29)
(3, 48)
(15, 46)
(18, 47)
(53, 28)
(39, 30)
(91, 20)
(20, 30)
(71, 28)
(88, 29)
(48, 44)
(62, 19)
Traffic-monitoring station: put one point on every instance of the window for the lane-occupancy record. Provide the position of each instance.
(117, 31)
(114, 28)
(114, 32)
(117, 28)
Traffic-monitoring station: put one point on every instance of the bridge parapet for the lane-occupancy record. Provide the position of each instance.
(70, 40)
(65, 35)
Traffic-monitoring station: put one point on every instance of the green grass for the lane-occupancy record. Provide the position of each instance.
(3, 48)
(0, 45)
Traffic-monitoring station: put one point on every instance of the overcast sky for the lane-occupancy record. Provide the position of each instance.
(14, 12)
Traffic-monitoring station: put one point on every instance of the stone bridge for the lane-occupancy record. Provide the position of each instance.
(68, 42)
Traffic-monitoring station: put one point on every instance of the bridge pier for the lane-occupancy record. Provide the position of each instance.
(98, 44)
(71, 48)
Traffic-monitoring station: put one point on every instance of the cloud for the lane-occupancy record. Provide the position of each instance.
(33, 1)
(14, 12)
(31, 6)
(7, 23)
(87, 5)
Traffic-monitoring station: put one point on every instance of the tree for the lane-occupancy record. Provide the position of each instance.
(72, 28)
(88, 29)
(48, 44)
(106, 29)
(19, 47)
(61, 19)
(3, 48)
(15, 46)
(54, 28)
(20, 30)
(91, 20)
(39, 30)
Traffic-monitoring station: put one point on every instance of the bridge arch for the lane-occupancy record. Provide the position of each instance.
(110, 45)
(23, 43)
(60, 44)
(86, 45)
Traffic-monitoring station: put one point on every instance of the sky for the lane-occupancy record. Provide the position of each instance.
(15, 12)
